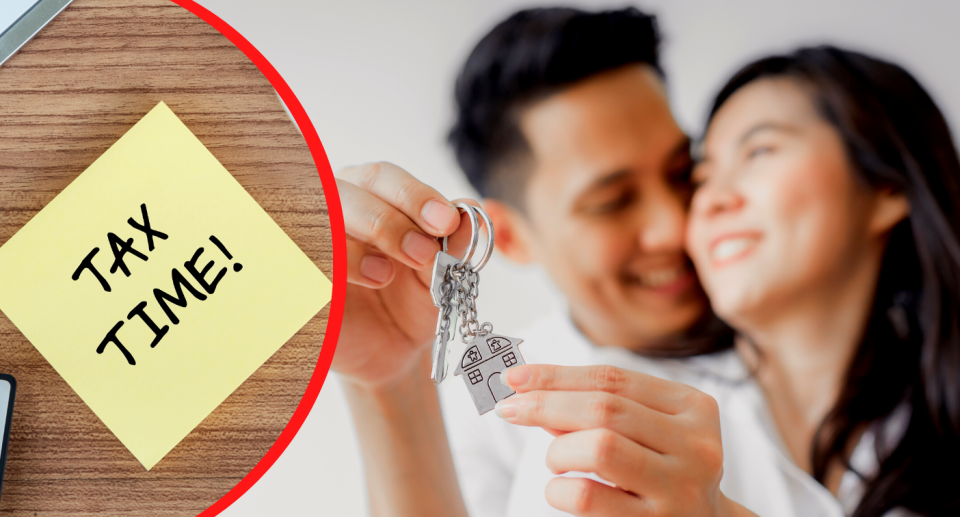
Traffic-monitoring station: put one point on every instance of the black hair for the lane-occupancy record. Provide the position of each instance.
(531, 54)
(896, 138)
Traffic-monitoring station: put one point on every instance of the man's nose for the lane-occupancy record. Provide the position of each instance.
(663, 224)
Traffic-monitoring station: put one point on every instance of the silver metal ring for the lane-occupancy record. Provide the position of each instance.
(489, 251)
(474, 233)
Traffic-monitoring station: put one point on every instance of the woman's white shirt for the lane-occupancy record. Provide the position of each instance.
(501, 470)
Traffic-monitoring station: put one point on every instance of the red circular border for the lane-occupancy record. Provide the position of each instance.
(339, 254)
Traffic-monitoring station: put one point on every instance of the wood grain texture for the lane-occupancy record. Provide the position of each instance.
(64, 99)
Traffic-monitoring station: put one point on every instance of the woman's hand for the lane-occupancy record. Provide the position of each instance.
(657, 441)
(392, 221)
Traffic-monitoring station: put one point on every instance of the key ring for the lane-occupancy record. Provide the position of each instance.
(474, 233)
(489, 251)
(473, 211)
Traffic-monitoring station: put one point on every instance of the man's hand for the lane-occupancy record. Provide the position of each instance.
(657, 441)
(392, 221)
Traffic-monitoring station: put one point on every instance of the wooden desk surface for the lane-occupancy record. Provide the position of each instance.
(64, 99)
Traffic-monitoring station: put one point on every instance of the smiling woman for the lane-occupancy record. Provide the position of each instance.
(802, 224)
(825, 229)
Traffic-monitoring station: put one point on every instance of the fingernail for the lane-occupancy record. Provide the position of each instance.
(438, 215)
(507, 408)
(376, 268)
(515, 377)
(419, 247)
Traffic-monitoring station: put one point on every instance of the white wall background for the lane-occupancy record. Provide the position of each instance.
(376, 79)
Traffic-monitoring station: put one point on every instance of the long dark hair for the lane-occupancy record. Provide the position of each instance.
(909, 358)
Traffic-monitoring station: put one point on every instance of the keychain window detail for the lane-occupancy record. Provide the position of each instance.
(495, 344)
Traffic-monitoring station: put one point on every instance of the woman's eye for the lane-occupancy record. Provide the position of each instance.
(759, 151)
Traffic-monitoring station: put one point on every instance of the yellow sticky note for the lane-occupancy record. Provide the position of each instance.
(155, 285)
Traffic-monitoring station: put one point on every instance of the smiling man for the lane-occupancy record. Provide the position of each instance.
(564, 128)
(599, 202)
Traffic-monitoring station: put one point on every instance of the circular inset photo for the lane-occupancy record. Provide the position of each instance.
(166, 260)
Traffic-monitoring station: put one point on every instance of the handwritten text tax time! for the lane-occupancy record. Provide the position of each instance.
(122, 249)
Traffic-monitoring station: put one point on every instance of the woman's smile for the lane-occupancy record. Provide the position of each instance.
(732, 247)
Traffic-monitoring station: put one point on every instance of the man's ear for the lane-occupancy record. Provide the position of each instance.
(512, 231)
(889, 209)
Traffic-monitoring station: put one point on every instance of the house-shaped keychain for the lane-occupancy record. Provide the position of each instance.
(485, 357)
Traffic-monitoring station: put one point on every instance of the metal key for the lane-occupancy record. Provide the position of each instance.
(442, 264)
(442, 290)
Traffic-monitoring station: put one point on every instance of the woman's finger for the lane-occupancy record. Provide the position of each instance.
(368, 267)
(398, 188)
(589, 498)
(611, 456)
(372, 221)
(658, 394)
(582, 410)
